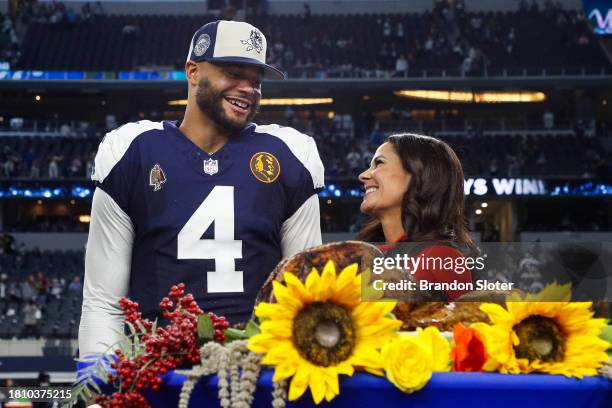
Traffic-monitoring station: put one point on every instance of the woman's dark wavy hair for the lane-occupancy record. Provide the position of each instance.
(432, 208)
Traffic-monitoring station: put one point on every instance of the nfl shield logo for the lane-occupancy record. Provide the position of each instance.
(211, 167)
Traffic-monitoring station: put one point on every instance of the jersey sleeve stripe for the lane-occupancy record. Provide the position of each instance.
(116, 143)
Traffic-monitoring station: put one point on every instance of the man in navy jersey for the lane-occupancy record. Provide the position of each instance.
(215, 201)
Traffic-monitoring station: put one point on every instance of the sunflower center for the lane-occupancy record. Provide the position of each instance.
(540, 339)
(327, 334)
(324, 334)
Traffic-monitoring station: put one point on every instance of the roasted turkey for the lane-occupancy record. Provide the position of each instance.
(414, 312)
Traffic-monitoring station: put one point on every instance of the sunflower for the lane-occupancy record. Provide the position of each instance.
(320, 329)
(537, 335)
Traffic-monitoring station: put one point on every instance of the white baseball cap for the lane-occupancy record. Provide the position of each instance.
(232, 41)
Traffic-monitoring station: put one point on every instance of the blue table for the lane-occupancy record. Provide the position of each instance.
(444, 390)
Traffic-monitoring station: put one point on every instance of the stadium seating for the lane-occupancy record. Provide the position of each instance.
(25, 150)
(61, 314)
(562, 154)
(328, 42)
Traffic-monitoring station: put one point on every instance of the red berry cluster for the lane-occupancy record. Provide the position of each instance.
(219, 325)
(166, 349)
(125, 400)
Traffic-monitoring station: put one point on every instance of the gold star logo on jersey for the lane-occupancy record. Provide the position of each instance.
(157, 177)
(265, 167)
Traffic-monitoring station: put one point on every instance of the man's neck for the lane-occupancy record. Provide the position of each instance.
(202, 131)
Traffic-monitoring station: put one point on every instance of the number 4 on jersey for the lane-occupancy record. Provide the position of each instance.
(217, 207)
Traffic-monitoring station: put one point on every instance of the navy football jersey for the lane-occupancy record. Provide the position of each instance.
(217, 222)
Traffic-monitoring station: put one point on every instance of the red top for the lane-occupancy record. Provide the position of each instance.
(434, 273)
(444, 275)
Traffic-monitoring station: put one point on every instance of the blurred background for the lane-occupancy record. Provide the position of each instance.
(522, 90)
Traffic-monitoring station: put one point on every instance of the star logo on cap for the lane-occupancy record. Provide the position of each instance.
(201, 45)
(254, 42)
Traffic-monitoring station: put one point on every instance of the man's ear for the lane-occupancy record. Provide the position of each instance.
(192, 71)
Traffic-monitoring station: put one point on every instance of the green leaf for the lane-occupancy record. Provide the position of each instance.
(141, 327)
(251, 329)
(234, 334)
(206, 331)
(95, 386)
(606, 334)
(154, 327)
(134, 345)
(367, 290)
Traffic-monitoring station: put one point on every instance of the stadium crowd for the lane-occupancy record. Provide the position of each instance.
(14, 28)
(10, 44)
(346, 145)
(37, 290)
(447, 40)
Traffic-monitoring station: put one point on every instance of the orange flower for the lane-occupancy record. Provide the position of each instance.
(469, 352)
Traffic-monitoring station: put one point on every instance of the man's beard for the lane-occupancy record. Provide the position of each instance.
(210, 102)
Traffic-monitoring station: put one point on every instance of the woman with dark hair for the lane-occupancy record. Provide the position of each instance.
(414, 193)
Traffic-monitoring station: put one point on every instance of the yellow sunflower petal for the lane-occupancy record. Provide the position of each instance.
(328, 279)
(273, 311)
(312, 279)
(347, 275)
(375, 371)
(583, 353)
(347, 289)
(262, 342)
(283, 350)
(496, 313)
(286, 298)
(275, 341)
(284, 370)
(345, 368)
(552, 293)
(366, 357)
(317, 388)
(299, 382)
(516, 312)
(331, 379)
(368, 312)
(330, 395)
(297, 287)
(277, 328)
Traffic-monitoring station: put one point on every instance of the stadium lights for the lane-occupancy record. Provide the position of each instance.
(274, 101)
(484, 205)
(478, 211)
(473, 97)
(296, 101)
